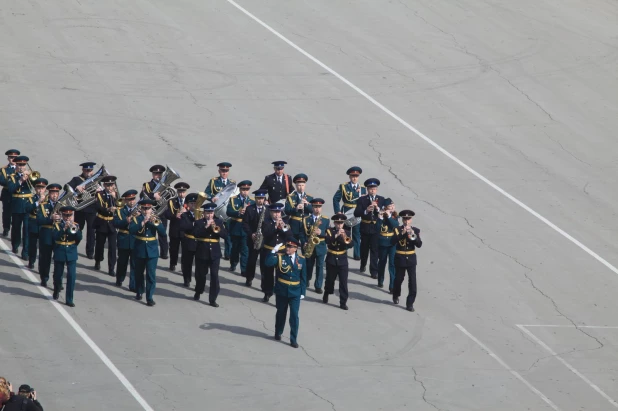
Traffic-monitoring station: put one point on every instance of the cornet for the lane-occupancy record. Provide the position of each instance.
(281, 224)
(411, 233)
(153, 219)
(343, 235)
(215, 227)
(73, 227)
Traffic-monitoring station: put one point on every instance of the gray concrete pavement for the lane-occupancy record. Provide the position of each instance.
(523, 93)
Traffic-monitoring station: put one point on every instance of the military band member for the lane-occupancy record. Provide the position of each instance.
(40, 186)
(125, 240)
(173, 213)
(207, 232)
(66, 236)
(338, 241)
(145, 228)
(276, 231)
(349, 193)
(316, 223)
(236, 209)
(86, 216)
(278, 184)
(188, 243)
(387, 221)
(291, 281)
(104, 225)
(46, 218)
(250, 223)
(368, 208)
(5, 196)
(407, 239)
(298, 205)
(21, 200)
(212, 191)
(148, 192)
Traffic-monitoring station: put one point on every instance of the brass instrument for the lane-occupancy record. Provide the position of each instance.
(312, 240)
(343, 234)
(283, 225)
(215, 228)
(154, 220)
(32, 177)
(201, 198)
(165, 191)
(120, 203)
(411, 233)
(72, 226)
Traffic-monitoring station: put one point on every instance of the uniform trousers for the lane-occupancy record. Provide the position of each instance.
(316, 261)
(163, 243)
(33, 247)
(71, 274)
(387, 254)
(282, 303)
(369, 250)
(268, 273)
(6, 213)
(251, 262)
(401, 273)
(125, 260)
(332, 273)
(19, 232)
(149, 265)
(45, 259)
(174, 249)
(186, 264)
(202, 268)
(356, 240)
(82, 219)
(99, 251)
(239, 252)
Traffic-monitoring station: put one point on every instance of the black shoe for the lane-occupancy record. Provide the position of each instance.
(151, 303)
(214, 304)
(5, 234)
(61, 287)
(71, 304)
(31, 266)
(226, 258)
(164, 257)
(396, 300)
(266, 298)
(410, 308)
(25, 257)
(380, 285)
(90, 256)
(15, 250)
(188, 284)
(294, 345)
(319, 290)
(138, 297)
(374, 276)
(112, 274)
(248, 283)
(363, 269)
(97, 265)
(232, 269)
(56, 294)
(172, 268)
(196, 297)
(356, 258)
(277, 337)
(343, 307)
(132, 289)
(43, 283)
(118, 284)
(242, 274)
(390, 290)
(325, 299)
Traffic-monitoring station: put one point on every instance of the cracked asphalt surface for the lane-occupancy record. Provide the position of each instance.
(524, 93)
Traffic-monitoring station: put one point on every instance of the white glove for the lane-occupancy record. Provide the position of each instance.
(277, 247)
(302, 297)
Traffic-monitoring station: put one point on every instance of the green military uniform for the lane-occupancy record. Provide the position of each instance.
(45, 224)
(386, 251)
(33, 227)
(290, 284)
(215, 185)
(349, 194)
(21, 202)
(316, 259)
(65, 254)
(125, 242)
(240, 249)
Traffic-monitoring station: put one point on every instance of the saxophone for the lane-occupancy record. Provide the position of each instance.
(259, 237)
(312, 240)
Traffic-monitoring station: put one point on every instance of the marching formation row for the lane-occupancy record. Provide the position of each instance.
(274, 226)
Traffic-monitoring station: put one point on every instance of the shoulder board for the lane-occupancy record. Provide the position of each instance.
(325, 217)
(396, 231)
(214, 178)
(328, 231)
(232, 181)
(135, 220)
(234, 197)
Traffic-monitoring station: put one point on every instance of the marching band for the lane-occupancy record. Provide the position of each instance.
(282, 225)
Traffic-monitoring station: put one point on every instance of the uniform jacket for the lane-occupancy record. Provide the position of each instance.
(65, 243)
(186, 226)
(145, 245)
(147, 189)
(5, 173)
(215, 185)
(251, 219)
(347, 194)
(174, 206)
(233, 211)
(104, 222)
(32, 208)
(405, 256)
(337, 253)
(369, 220)
(45, 222)
(272, 235)
(208, 247)
(75, 181)
(125, 240)
(276, 190)
(307, 229)
(386, 229)
(296, 217)
(290, 278)
(21, 196)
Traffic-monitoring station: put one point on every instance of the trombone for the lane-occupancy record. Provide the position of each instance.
(32, 177)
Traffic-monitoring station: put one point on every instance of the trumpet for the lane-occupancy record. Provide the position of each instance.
(411, 233)
(343, 235)
(281, 224)
(215, 227)
(152, 219)
(73, 227)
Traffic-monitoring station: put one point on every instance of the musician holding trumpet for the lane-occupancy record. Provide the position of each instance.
(338, 241)
(125, 211)
(387, 221)
(207, 232)
(46, 218)
(276, 230)
(368, 209)
(20, 186)
(67, 236)
(407, 239)
(146, 227)
(236, 209)
(104, 225)
(298, 205)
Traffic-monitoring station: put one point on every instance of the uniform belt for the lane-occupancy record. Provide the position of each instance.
(102, 217)
(123, 231)
(237, 219)
(387, 234)
(296, 218)
(349, 205)
(272, 248)
(145, 238)
(368, 221)
(208, 240)
(288, 282)
(46, 226)
(65, 242)
(189, 236)
(336, 252)
(23, 195)
(33, 216)
(405, 252)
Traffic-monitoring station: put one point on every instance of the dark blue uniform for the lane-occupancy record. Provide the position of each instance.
(405, 261)
(296, 216)
(278, 188)
(369, 233)
(317, 258)
(125, 242)
(86, 218)
(250, 226)
(272, 237)
(240, 250)
(349, 195)
(146, 255)
(291, 281)
(21, 203)
(175, 206)
(5, 196)
(189, 246)
(207, 257)
(147, 192)
(105, 231)
(385, 228)
(337, 264)
(46, 240)
(33, 230)
(65, 254)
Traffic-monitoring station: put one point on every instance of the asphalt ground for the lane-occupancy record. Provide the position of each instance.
(512, 313)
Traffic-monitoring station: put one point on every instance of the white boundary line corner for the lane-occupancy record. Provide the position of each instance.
(508, 368)
(565, 363)
(424, 137)
(78, 329)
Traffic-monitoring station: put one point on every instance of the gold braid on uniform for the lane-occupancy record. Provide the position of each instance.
(349, 196)
(283, 270)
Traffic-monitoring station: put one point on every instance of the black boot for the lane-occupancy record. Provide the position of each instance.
(97, 265)
(325, 298)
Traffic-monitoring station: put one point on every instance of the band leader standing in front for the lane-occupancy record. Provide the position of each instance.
(407, 239)
(368, 209)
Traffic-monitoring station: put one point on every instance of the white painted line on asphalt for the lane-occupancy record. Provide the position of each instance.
(569, 366)
(424, 137)
(20, 264)
(569, 326)
(506, 366)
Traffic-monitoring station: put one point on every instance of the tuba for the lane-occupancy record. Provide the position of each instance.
(312, 240)
(198, 212)
(88, 196)
(165, 190)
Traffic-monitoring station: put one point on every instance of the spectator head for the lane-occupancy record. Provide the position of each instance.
(3, 382)
(5, 395)
(25, 390)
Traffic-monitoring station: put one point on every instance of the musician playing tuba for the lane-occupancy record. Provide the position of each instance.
(148, 191)
(236, 209)
(338, 241)
(213, 189)
(314, 247)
